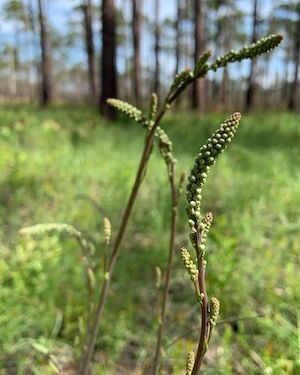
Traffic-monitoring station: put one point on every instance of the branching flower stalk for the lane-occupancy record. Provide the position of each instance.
(181, 82)
(199, 228)
(200, 224)
(198, 235)
(179, 85)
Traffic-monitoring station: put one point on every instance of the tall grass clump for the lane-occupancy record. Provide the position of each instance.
(199, 223)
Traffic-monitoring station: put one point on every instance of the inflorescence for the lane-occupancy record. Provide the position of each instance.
(189, 264)
(263, 45)
(214, 311)
(207, 156)
(129, 110)
(190, 363)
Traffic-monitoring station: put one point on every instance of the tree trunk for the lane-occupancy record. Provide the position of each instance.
(177, 31)
(108, 71)
(29, 52)
(136, 36)
(197, 93)
(251, 80)
(46, 93)
(225, 89)
(292, 105)
(157, 49)
(89, 46)
(12, 83)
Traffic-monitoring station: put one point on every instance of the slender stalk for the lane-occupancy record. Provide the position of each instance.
(174, 204)
(115, 252)
(90, 346)
(202, 345)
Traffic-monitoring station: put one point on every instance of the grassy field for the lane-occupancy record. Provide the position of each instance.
(66, 165)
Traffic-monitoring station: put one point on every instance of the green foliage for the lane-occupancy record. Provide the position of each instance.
(84, 327)
(253, 242)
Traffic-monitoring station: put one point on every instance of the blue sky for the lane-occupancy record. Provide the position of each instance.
(60, 12)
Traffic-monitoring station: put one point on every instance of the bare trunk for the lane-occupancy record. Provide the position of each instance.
(197, 94)
(89, 46)
(136, 36)
(109, 71)
(45, 61)
(225, 89)
(177, 31)
(251, 80)
(157, 49)
(12, 83)
(292, 105)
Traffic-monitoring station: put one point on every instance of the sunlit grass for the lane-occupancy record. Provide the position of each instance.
(54, 161)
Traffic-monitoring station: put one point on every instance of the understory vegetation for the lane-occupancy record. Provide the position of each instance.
(65, 164)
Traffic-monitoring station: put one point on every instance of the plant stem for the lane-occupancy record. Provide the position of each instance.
(174, 203)
(204, 319)
(202, 345)
(91, 340)
(115, 252)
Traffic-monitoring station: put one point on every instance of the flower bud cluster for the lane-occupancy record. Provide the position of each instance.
(214, 307)
(158, 275)
(128, 110)
(263, 45)
(153, 106)
(201, 66)
(91, 278)
(165, 146)
(50, 228)
(189, 264)
(107, 230)
(57, 228)
(182, 78)
(190, 363)
(204, 228)
(207, 157)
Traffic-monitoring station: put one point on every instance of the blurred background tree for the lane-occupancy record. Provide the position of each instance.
(140, 45)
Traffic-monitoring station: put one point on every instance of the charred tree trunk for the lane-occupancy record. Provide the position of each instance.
(251, 80)
(89, 46)
(197, 97)
(136, 36)
(108, 61)
(46, 89)
(292, 105)
(157, 49)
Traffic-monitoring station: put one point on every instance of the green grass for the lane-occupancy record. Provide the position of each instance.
(66, 164)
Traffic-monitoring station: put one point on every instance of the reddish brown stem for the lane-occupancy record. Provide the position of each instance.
(204, 318)
(90, 346)
(169, 269)
(115, 252)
